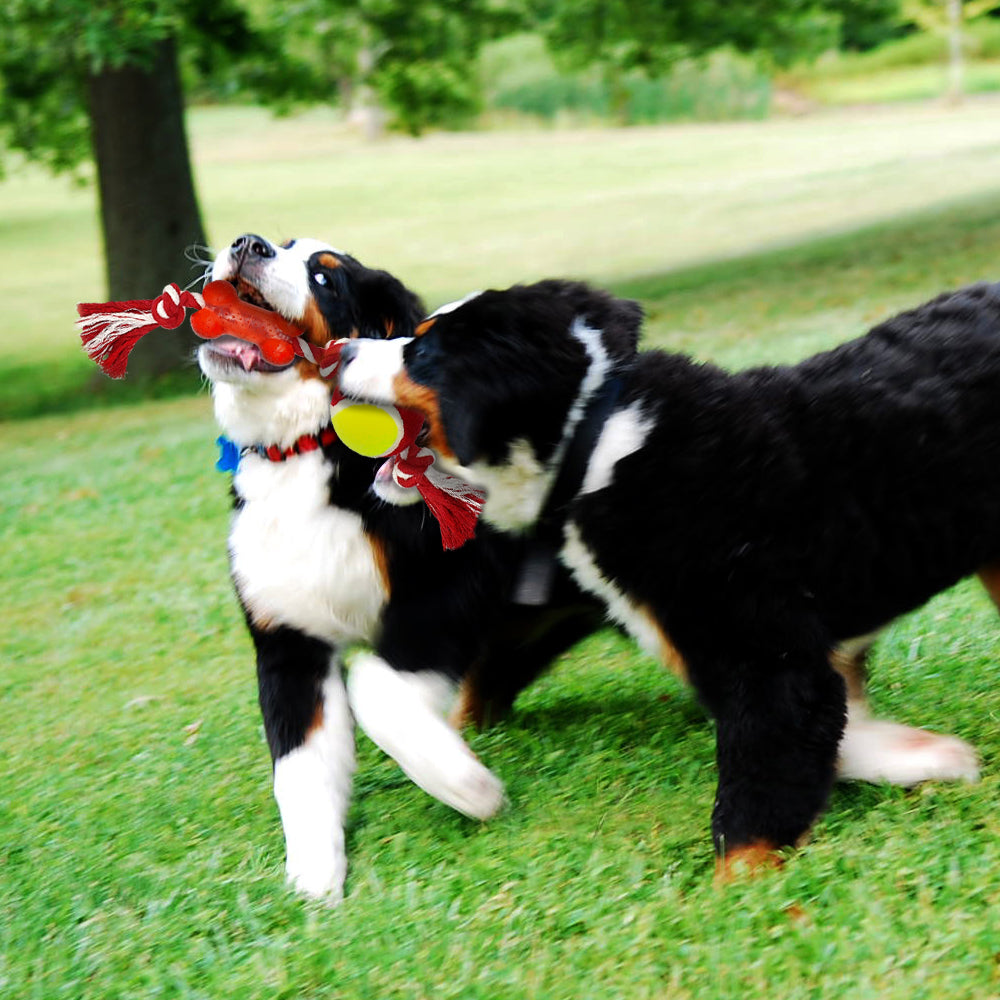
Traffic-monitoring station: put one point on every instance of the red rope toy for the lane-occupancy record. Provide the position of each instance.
(110, 330)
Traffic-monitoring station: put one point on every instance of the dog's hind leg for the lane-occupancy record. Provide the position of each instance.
(880, 750)
(311, 736)
(403, 712)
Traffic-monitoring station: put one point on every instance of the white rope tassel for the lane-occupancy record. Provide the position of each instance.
(108, 327)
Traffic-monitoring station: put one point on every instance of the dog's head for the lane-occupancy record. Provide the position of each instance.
(325, 293)
(501, 378)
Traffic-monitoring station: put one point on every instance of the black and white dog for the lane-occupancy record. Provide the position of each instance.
(320, 562)
(750, 528)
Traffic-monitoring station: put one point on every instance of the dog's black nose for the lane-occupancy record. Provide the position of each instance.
(347, 354)
(249, 246)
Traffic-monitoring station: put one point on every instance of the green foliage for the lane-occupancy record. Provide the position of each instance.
(866, 24)
(622, 35)
(718, 87)
(425, 71)
(418, 58)
(48, 48)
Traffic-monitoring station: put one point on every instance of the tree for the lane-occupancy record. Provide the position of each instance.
(947, 18)
(101, 79)
(417, 58)
(81, 79)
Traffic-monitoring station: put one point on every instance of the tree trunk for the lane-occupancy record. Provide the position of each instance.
(149, 210)
(955, 53)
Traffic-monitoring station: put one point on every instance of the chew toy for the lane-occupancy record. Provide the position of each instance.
(225, 313)
(110, 330)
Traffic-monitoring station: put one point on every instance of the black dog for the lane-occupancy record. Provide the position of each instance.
(741, 525)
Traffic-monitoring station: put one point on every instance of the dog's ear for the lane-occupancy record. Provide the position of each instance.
(386, 307)
(622, 327)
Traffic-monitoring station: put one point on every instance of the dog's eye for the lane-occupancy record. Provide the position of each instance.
(319, 277)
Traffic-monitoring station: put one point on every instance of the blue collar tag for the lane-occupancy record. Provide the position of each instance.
(229, 455)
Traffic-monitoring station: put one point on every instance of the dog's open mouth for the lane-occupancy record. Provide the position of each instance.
(248, 293)
(242, 354)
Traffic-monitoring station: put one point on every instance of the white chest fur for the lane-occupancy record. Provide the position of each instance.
(297, 560)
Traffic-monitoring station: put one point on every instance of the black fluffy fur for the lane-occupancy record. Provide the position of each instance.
(448, 611)
(768, 513)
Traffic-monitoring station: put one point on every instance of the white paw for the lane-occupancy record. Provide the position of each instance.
(460, 782)
(877, 750)
(318, 878)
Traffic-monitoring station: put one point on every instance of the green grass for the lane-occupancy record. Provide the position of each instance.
(140, 850)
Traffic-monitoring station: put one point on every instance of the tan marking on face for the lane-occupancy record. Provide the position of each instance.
(328, 260)
(264, 622)
(313, 324)
(747, 860)
(306, 371)
(418, 397)
(424, 327)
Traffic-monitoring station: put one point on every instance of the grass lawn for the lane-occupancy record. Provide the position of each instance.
(140, 850)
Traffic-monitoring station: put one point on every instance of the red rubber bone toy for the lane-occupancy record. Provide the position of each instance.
(111, 329)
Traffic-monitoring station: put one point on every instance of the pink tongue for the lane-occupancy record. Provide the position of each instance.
(249, 356)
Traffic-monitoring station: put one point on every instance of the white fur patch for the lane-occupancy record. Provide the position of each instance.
(452, 306)
(624, 433)
(265, 408)
(403, 713)
(312, 786)
(578, 559)
(879, 750)
(296, 559)
(373, 368)
(516, 490)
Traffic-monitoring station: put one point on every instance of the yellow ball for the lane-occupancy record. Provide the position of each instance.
(368, 429)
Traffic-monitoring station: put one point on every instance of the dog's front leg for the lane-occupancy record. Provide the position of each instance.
(403, 712)
(780, 711)
(310, 732)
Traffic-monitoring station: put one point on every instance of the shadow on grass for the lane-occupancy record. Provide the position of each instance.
(68, 385)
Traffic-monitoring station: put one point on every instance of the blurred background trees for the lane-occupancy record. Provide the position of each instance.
(107, 82)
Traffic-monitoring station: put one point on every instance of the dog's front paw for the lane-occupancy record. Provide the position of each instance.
(321, 879)
(462, 783)
(478, 792)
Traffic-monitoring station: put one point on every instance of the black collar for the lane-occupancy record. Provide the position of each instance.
(533, 585)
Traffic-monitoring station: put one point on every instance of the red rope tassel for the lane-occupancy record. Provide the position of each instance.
(109, 330)
(455, 504)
